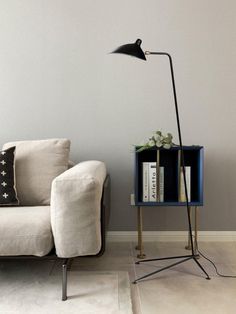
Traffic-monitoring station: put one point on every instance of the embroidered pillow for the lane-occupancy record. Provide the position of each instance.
(8, 194)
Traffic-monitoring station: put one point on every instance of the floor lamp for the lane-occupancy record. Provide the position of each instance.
(135, 50)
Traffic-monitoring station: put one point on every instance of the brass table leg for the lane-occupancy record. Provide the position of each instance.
(196, 232)
(188, 246)
(195, 243)
(140, 237)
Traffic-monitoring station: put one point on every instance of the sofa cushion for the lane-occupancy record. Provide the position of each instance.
(8, 194)
(37, 163)
(25, 231)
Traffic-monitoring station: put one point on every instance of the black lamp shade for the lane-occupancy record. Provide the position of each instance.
(133, 50)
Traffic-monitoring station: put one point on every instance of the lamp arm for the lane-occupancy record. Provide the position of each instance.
(174, 89)
(179, 134)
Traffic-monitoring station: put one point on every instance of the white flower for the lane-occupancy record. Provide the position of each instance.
(159, 140)
(169, 135)
(167, 140)
(157, 137)
(151, 143)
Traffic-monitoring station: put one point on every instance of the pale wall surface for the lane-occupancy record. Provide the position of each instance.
(58, 80)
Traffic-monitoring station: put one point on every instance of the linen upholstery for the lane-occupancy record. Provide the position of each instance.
(25, 231)
(37, 163)
(75, 209)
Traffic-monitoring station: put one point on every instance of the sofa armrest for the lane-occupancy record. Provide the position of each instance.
(76, 209)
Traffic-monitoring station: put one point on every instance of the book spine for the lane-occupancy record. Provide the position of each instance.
(182, 196)
(161, 184)
(145, 181)
(152, 182)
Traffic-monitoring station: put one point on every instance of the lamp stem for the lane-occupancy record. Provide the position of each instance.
(180, 140)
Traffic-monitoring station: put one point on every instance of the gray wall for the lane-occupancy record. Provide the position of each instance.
(58, 80)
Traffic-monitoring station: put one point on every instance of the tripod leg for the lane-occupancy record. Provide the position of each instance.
(163, 268)
(162, 258)
(199, 265)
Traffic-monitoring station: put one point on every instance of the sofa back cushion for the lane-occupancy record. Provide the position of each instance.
(37, 163)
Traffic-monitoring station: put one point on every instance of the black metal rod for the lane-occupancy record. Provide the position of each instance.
(163, 268)
(197, 262)
(180, 142)
(163, 258)
(64, 280)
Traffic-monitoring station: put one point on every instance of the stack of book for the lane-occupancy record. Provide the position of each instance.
(153, 182)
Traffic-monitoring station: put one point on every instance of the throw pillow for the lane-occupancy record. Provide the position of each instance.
(37, 164)
(8, 194)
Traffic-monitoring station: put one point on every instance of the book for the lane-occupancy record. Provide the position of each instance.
(152, 181)
(156, 183)
(153, 186)
(161, 184)
(182, 196)
(145, 167)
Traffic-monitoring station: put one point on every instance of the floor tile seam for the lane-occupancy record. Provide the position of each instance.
(132, 246)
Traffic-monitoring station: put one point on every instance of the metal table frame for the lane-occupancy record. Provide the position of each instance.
(193, 216)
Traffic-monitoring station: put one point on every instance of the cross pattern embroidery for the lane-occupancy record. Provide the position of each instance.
(3, 162)
(3, 173)
(4, 184)
(5, 195)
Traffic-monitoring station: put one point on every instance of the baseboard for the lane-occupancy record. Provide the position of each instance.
(171, 236)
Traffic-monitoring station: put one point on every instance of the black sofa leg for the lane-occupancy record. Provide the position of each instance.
(64, 279)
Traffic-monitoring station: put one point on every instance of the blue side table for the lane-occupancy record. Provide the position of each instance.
(170, 160)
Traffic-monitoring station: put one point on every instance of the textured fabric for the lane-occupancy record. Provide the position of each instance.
(75, 209)
(8, 195)
(25, 230)
(37, 163)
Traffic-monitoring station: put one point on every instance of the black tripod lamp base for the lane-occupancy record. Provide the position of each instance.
(184, 258)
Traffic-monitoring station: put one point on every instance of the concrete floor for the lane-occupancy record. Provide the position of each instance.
(182, 289)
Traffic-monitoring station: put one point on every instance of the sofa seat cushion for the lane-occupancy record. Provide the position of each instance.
(37, 163)
(25, 231)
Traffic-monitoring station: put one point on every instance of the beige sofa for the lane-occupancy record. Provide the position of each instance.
(63, 210)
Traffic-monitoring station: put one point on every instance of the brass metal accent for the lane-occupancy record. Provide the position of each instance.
(140, 236)
(188, 246)
(179, 173)
(195, 243)
(196, 233)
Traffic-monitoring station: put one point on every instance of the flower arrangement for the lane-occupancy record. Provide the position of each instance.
(158, 140)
